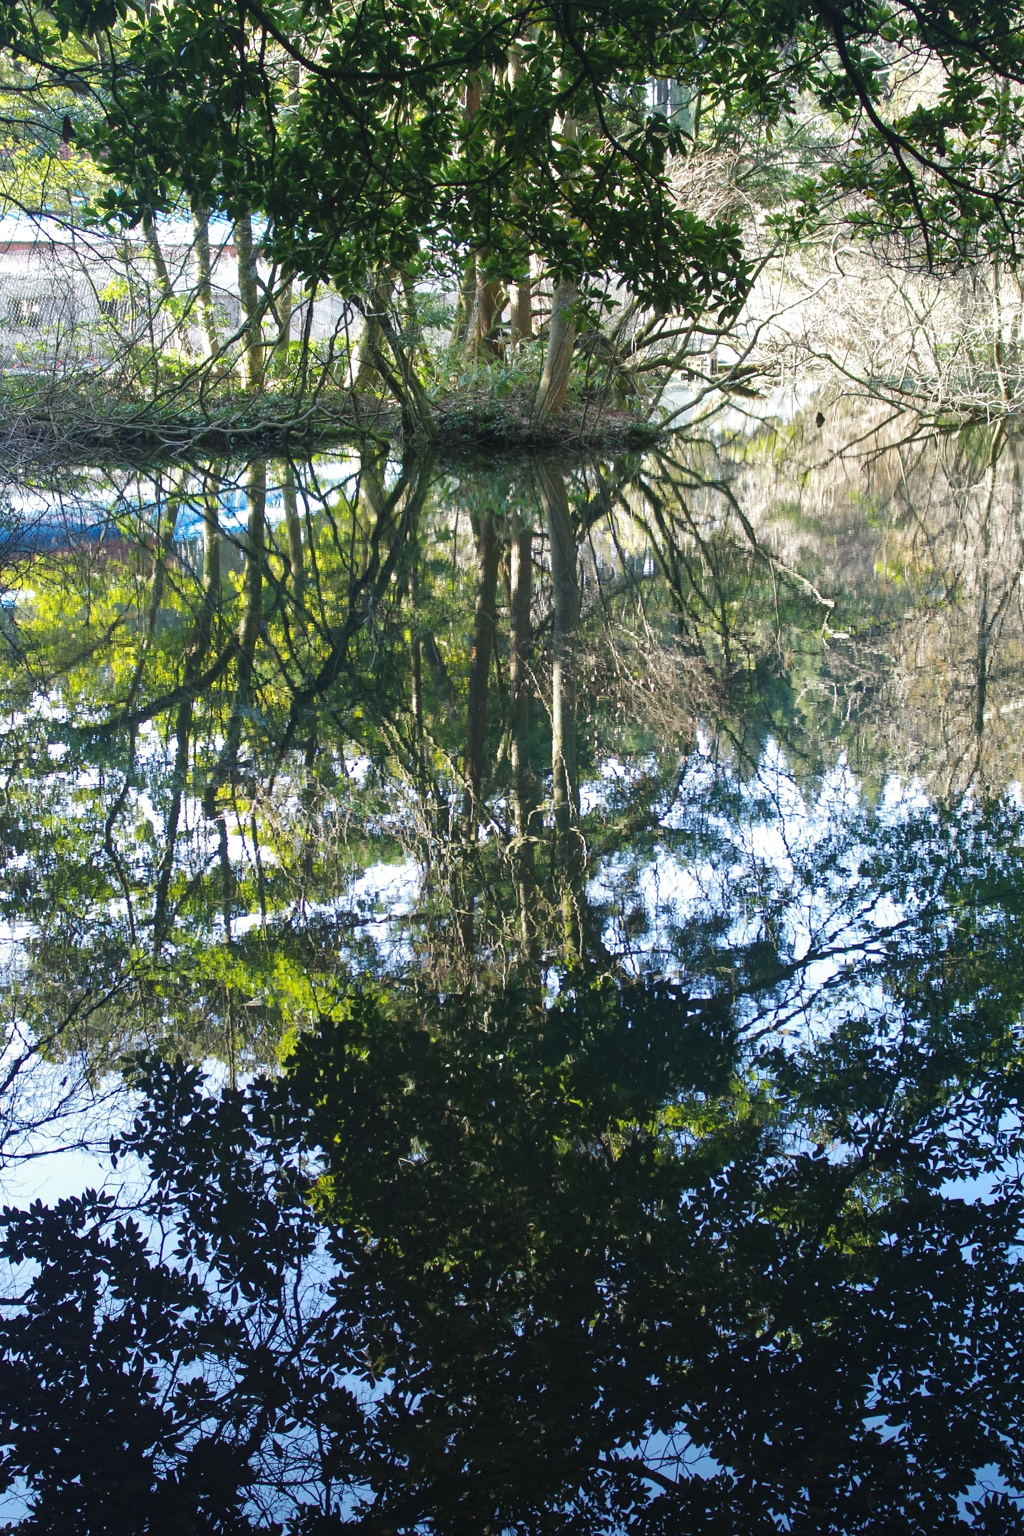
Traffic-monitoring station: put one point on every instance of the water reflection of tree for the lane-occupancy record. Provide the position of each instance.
(538, 1226)
(919, 534)
(485, 1261)
(431, 667)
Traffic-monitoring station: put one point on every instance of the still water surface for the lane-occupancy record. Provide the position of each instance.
(524, 963)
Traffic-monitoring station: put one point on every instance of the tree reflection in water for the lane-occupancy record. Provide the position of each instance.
(658, 1170)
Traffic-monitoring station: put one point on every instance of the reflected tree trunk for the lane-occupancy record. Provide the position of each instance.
(984, 622)
(416, 660)
(309, 841)
(565, 784)
(439, 675)
(248, 631)
(167, 522)
(484, 621)
(387, 543)
(566, 593)
(296, 558)
(195, 658)
(524, 785)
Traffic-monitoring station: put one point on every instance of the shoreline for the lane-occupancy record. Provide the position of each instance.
(62, 423)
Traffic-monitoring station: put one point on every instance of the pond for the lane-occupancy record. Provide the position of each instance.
(513, 990)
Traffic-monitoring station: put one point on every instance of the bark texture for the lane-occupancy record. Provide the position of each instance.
(554, 381)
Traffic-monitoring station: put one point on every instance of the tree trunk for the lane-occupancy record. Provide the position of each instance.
(484, 341)
(307, 332)
(554, 381)
(204, 280)
(252, 315)
(163, 282)
(366, 370)
(521, 328)
(417, 417)
(464, 305)
(521, 310)
(283, 344)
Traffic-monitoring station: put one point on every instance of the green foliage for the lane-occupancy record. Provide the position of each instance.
(373, 159)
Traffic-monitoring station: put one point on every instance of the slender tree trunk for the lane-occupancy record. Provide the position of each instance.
(521, 294)
(252, 587)
(481, 340)
(204, 280)
(413, 329)
(165, 288)
(248, 292)
(464, 305)
(307, 332)
(401, 379)
(554, 381)
(283, 345)
(307, 862)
